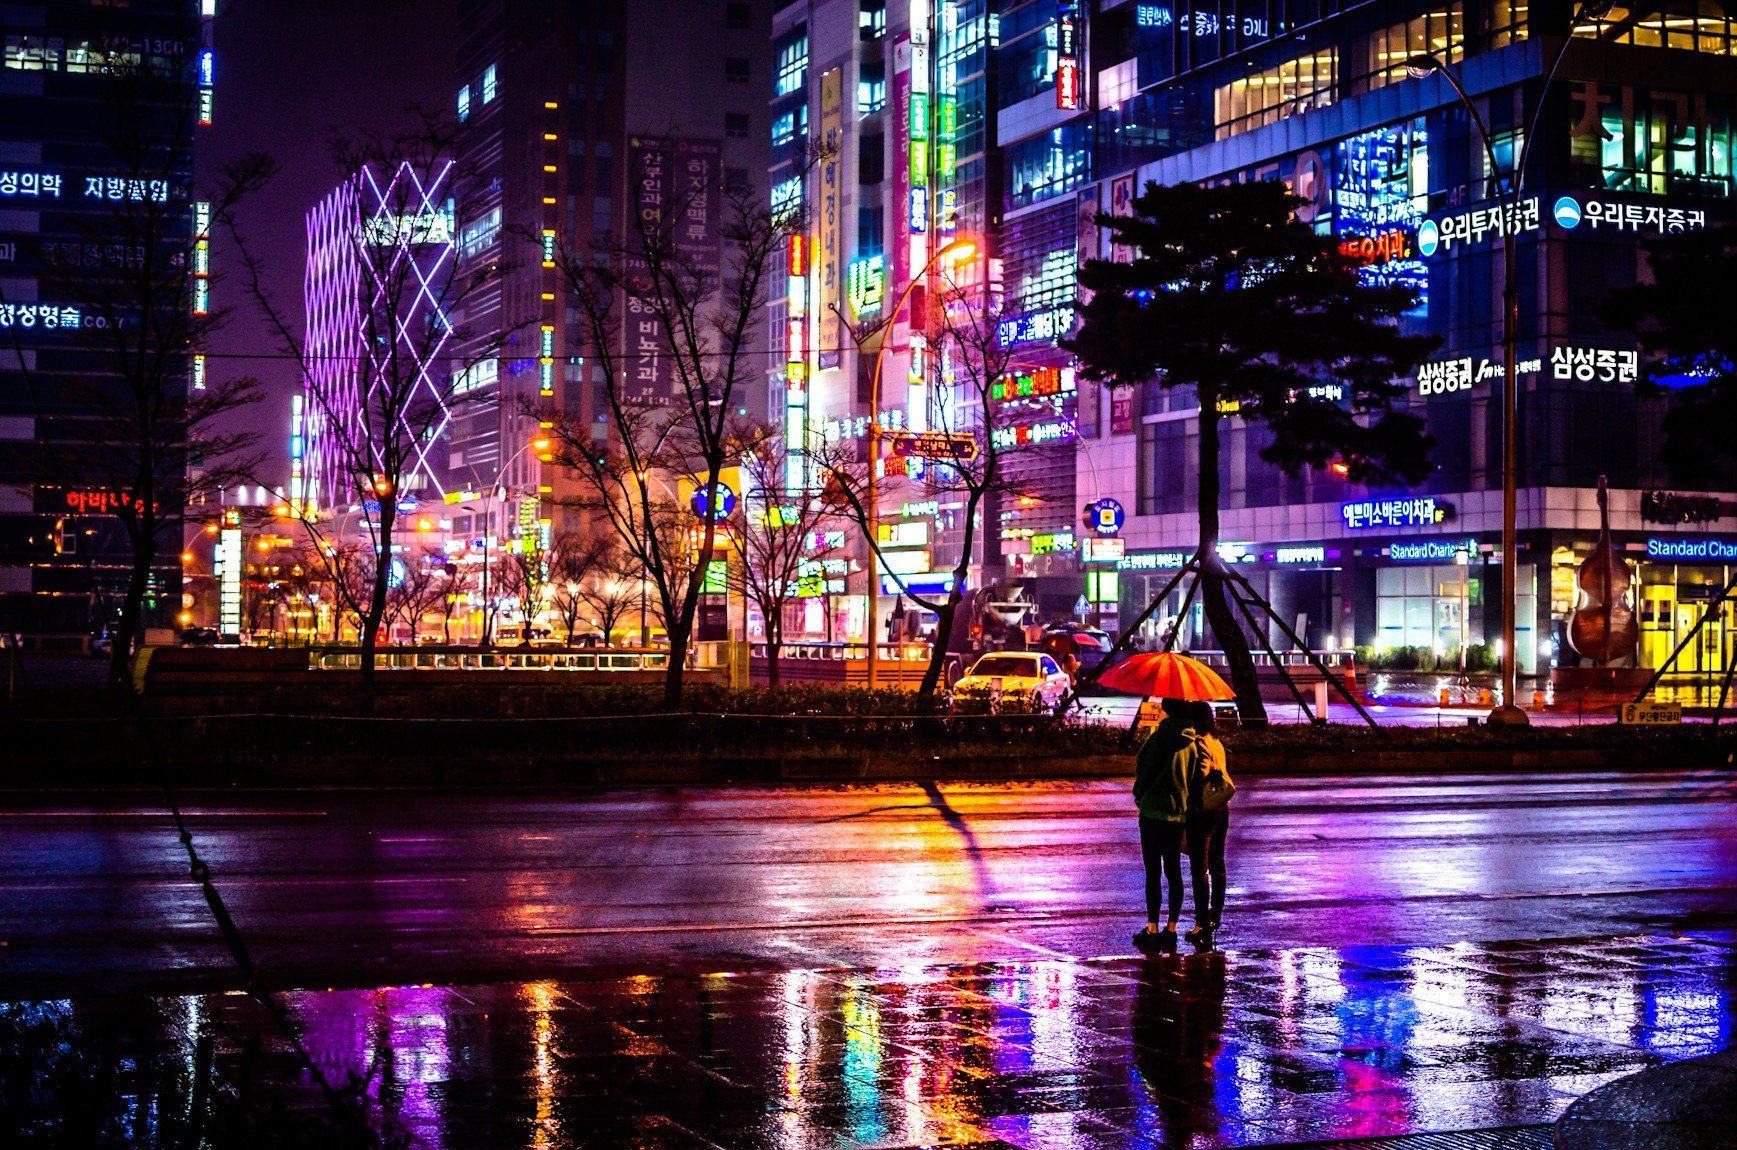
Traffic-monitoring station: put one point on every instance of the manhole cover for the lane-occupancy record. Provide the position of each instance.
(1508, 1138)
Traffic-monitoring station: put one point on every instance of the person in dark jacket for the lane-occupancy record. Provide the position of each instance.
(1206, 828)
(1161, 771)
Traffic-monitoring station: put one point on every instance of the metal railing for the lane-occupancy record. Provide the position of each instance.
(496, 659)
(847, 652)
(1339, 660)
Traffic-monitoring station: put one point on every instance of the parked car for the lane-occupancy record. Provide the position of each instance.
(1010, 681)
(102, 643)
(200, 637)
(1090, 645)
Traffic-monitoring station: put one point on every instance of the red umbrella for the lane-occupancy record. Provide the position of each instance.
(1167, 675)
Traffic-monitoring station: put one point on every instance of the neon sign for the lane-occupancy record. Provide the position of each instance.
(44, 315)
(13, 183)
(1569, 213)
(1721, 550)
(1024, 435)
(1433, 550)
(1035, 327)
(1067, 50)
(1152, 561)
(1594, 363)
(1038, 384)
(1477, 225)
(1421, 512)
(866, 285)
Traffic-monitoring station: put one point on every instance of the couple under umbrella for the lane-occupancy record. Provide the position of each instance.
(1182, 790)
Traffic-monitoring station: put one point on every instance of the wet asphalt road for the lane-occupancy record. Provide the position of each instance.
(358, 889)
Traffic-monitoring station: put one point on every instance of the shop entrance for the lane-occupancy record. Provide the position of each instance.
(1673, 599)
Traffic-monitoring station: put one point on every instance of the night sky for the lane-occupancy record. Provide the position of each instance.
(290, 75)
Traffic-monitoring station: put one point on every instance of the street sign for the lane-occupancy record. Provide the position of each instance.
(1652, 714)
(1081, 607)
(957, 445)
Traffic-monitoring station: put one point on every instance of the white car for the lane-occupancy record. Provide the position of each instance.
(1011, 681)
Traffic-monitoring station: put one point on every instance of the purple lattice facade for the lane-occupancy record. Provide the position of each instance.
(380, 258)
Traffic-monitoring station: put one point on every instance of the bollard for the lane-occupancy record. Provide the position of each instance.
(1321, 701)
(1444, 697)
(1484, 699)
(1537, 700)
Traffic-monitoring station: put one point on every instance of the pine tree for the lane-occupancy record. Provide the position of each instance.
(1230, 295)
(1683, 321)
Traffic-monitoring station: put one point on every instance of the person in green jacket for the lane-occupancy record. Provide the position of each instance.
(1161, 770)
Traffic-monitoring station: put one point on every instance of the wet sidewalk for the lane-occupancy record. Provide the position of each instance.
(1197, 1050)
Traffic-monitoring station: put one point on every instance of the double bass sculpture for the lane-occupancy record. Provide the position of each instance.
(1602, 627)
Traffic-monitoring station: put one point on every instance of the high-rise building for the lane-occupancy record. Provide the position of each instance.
(98, 109)
(379, 286)
(882, 131)
(1630, 136)
(572, 116)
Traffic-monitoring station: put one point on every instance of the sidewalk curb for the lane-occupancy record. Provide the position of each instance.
(1690, 1105)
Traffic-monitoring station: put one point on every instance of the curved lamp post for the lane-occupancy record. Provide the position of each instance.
(1507, 713)
(959, 249)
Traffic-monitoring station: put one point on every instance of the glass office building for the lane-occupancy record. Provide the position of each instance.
(1633, 138)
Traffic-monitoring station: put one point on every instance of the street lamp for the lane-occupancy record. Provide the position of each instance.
(1508, 191)
(959, 249)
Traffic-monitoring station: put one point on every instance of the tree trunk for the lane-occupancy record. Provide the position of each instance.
(1225, 628)
(774, 640)
(943, 636)
(377, 599)
(132, 607)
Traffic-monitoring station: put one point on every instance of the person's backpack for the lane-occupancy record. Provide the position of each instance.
(1216, 788)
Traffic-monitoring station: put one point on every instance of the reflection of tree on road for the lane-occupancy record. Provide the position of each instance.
(1178, 1031)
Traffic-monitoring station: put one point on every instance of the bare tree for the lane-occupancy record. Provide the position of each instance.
(784, 537)
(130, 289)
(421, 589)
(388, 372)
(574, 560)
(971, 439)
(527, 564)
(455, 595)
(696, 317)
(615, 588)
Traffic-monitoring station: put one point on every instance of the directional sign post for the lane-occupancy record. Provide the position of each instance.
(958, 445)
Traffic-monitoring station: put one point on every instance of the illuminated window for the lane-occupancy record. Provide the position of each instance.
(480, 234)
(871, 87)
(792, 70)
(1508, 22)
(1440, 33)
(1294, 86)
(1645, 140)
(464, 103)
(33, 53)
(488, 84)
(784, 127)
(1687, 25)
(787, 196)
(548, 251)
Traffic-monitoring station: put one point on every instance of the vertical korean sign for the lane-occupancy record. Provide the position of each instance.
(1067, 55)
(901, 165)
(648, 371)
(677, 200)
(828, 238)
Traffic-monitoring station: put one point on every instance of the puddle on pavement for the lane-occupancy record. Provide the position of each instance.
(1198, 1050)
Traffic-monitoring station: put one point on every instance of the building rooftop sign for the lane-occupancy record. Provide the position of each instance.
(1390, 513)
